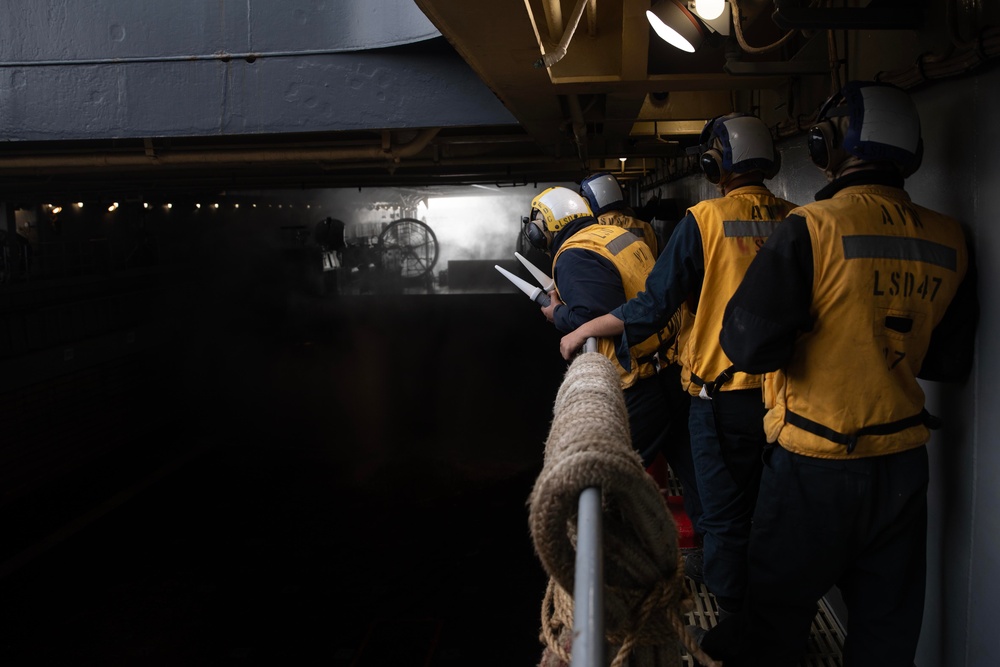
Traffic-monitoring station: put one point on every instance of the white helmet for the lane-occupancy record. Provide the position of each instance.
(867, 122)
(737, 143)
(552, 210)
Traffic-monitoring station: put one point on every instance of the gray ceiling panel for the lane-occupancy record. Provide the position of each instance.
(59, 31)
(348, 91)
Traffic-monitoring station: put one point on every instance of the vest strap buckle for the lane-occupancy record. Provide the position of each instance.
(716, 385)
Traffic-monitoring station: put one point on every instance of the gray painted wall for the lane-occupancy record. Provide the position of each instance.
(141, 68)
(960, 178)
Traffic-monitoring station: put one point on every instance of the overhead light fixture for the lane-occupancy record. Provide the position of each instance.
(685, 25)
(677, 26)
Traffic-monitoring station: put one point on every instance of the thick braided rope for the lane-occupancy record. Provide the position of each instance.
(589, 445)
(557, 628)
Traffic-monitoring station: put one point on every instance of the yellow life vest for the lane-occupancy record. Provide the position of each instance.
(885, 270)
(733, 228)
(633, 260)
(640, 228)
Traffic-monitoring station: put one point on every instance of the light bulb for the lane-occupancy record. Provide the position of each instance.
(709, 9)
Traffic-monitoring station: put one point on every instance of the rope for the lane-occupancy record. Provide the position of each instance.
(589, 445)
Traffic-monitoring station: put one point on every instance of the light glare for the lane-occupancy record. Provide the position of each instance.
(709, 9)
(668, 34)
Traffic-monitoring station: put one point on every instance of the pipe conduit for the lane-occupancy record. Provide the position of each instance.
(550, 59)
(390, 153)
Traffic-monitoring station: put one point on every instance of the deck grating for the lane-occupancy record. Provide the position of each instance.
(826, 640)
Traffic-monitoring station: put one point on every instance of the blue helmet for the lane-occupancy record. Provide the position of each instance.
(603, 193)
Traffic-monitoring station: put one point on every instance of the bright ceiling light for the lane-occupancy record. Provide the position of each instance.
(676, 25)
(709, 9)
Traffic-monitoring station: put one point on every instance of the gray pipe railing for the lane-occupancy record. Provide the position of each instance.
(588, 584)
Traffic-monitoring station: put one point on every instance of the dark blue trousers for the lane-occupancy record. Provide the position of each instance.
(727, 440)
(860, 525)
(658, 418)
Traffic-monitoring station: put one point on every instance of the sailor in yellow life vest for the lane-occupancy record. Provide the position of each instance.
(597, 268)
(604, 195)
(852, 299)
(698, 271)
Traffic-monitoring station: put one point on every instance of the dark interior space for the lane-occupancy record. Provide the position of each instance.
(203, 468)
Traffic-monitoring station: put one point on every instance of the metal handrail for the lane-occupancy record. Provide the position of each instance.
(588, 582)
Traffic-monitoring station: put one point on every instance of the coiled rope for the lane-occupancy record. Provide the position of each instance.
(589, 445)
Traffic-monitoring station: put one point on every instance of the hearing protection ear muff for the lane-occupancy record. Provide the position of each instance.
(822, 139)
(821, 142)
(710, 159)
(711, 165)
(534, 233)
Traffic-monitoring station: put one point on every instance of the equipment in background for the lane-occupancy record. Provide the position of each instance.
(404, 252)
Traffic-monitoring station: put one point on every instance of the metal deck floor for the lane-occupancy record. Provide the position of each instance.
(826, 641)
